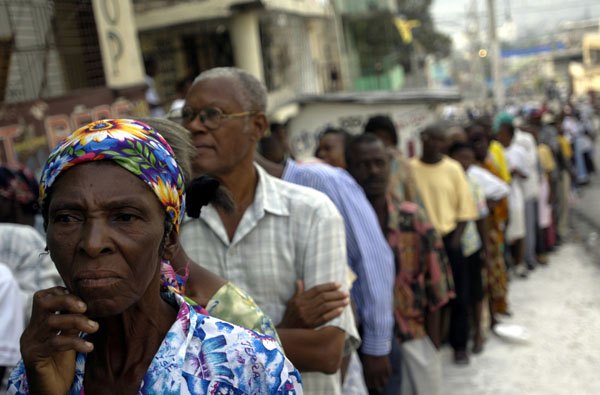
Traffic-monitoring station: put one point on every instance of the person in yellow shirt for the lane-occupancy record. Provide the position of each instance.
(496, 150)
(497, 280)
(565, 166)
(447, 197)
(546, 199)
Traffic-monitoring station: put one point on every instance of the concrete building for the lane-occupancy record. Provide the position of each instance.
(64, 64)
(369, 36)
(68, 62)
(586, 76)
(289, 44)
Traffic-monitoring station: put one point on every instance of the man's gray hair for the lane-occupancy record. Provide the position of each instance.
(252, 94)
(180, 140)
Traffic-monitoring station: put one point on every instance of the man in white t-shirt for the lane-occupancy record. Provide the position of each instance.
(531, 191)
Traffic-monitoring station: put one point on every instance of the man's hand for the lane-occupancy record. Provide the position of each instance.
(312, 308)
(378, 371)
(455, 242)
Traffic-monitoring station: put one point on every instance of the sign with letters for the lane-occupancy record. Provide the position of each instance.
(30, 130)
(117, 33)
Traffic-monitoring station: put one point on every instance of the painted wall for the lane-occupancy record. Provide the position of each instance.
(304, 129)
(30, 130)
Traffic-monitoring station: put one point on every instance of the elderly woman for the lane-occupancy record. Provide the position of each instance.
(112, 199)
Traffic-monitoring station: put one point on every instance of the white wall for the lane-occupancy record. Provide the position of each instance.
(304, 130)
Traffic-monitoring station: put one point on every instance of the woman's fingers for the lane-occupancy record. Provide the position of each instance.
(65, 343)
(56, 321)
(76, 322)
(52, 300)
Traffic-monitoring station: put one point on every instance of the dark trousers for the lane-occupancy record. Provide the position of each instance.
(459, 317)
(474, 265)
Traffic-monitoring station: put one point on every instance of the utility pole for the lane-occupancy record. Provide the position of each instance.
(495, 53)
(474, 35)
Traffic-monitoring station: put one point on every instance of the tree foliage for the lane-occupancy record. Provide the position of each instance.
(377, 40)
(426, 36)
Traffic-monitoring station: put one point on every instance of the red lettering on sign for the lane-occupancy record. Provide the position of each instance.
(121, 109)
(81, 118)
(101, 112)
(58, 128)
(7, 134)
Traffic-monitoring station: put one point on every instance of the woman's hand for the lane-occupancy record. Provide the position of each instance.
(50, 342)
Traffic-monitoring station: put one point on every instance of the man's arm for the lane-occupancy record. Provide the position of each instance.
(482, 229)
(322, 259)
(370, 257)
(314, 350)
(458, 232)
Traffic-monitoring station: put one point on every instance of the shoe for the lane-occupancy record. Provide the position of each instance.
(521, 271)
(542, 259)
(461, 357)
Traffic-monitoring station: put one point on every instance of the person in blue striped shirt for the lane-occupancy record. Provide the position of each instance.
(369, 257)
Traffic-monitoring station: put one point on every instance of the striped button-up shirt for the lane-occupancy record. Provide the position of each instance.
(369, 255)
(288, 233)
(22, 250)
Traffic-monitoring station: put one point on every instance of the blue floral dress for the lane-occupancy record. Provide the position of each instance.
(203, 355)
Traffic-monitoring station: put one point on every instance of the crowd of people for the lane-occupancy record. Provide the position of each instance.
(197, 255)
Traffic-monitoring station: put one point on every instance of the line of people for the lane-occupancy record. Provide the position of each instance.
(358, 267)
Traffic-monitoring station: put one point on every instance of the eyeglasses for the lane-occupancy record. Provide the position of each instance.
(211, 117)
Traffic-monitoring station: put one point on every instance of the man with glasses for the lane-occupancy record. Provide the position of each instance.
(279, 233)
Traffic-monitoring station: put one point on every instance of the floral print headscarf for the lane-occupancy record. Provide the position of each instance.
(131, 144)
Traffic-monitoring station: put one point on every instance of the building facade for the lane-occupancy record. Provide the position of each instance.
(291, 45)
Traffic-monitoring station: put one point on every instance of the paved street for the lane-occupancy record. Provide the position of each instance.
(560, 307)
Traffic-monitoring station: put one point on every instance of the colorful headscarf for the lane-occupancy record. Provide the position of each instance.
(131, 144)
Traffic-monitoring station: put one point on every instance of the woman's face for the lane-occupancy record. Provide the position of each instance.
(105, 229)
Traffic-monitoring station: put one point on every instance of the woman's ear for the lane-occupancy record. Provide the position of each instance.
(172, 245)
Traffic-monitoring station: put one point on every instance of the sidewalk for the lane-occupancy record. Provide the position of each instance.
(560, 307)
